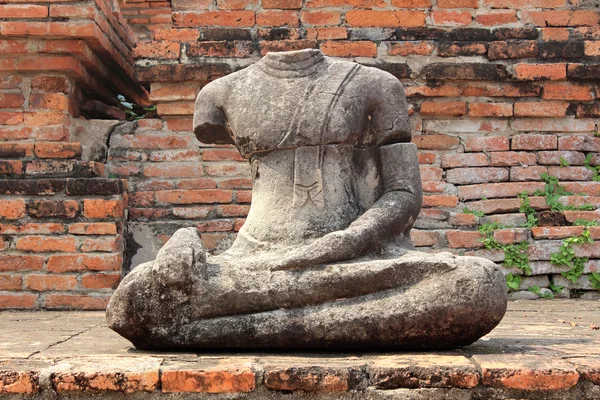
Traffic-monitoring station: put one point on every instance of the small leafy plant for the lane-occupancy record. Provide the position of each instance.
(594, 168)
(132, 110)
(476, 213)
(566, 256)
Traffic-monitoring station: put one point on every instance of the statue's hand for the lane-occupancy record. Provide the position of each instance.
(333, 247)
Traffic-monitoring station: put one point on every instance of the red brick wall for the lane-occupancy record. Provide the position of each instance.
(61, 218)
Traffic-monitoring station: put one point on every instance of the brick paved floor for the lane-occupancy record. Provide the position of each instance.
(542, 350)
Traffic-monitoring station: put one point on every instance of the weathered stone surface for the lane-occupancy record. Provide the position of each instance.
(526, 372)
(324, 258)
(423, 371)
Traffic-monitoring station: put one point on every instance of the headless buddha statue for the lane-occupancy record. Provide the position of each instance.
(324, 259)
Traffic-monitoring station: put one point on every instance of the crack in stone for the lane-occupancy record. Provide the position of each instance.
(60, 342)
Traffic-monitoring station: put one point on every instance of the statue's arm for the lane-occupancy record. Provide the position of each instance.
(210, 122)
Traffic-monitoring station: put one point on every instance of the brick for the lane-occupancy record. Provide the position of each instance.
(514, 49)
(534, 142)
(174, 170)
(536, 72)
(235, 4)
(427, 158)
(524, 3)
(580, 143)
(175, 108)
(465, 160)
(440, 201)
(177, 35)
(555, 34)
(554, 157)
(23, 11)
(561, 18)
(526, 372)
(451, 18)
(314, 378)
(495, 190)
(11, 118)
(21, 262)
(455, 49)
(277, 18)
(567, 50)
(202, 183)
(423, 238)
(31, 229)
(583, 71)
(588, 110)
(282, 4)
(592, 49)
(10, 282)
(407, 4)
(11, 168)
(16, 150)
(211, 380)
(490, 109)
(93, 228)
(11, 100)
(158, 50)
(404, 49)
(527, 173)
(553, 125)
(100, 281)
(385, 19)
(465, 71)
(462, 219)
(244, 196)
(102, 244)
(571, 173)
(463, 176)
(541, 109)
(214, 18)
(50, 101)
(458, 3)
(233, 210)
(567, 91)
(75, 301)
(46, 243)
(431, 108)
(556, 232)
(319, 17)
(17, 300)
(94, 187)
(340, 48)
(464, 239)
(286, 45)
(82, 262)
(44, 283)
(99, 209)
(53, 208)
(12, 209)
(192, 212)
(238, 49)
(430, 173)
(327, 33)
(435, 142)
(193, 196)
(487, 143)
(215, 226)
(512, 158)
(496, 18)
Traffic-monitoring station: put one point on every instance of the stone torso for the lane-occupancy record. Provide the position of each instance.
(304, 122)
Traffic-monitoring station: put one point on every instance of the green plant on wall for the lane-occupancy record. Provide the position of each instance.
(529, 212)
(515, 255)
(566, 256)
(594, 168)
